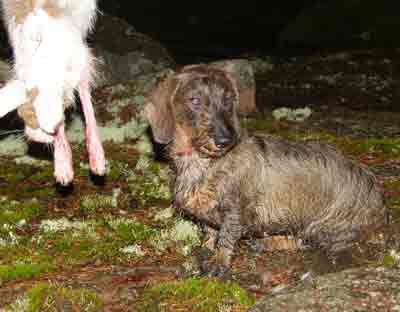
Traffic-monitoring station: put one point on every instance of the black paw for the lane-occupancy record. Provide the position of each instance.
(97, 180)
(64, 190)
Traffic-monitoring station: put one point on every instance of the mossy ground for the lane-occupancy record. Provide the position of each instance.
(119, 246)
(48, 297)
(195, 294)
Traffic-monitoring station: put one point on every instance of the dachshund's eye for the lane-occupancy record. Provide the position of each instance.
(195, 102)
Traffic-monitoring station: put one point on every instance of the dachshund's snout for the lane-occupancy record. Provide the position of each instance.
(224, 134)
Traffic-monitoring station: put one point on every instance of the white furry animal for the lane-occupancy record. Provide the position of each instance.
(51, 61)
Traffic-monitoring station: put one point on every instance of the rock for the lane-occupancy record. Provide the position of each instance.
(360, 289)
(344, 24)
(125, 54)
(262, 65)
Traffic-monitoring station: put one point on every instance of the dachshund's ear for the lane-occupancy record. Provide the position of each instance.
(158, 109)
(242, 74)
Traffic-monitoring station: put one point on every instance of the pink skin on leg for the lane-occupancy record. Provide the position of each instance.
(63, 170)
(95, 149)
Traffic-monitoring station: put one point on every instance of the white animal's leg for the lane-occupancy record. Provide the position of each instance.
(12, 95)
(49, 108)
(93, 142)
(63, 169)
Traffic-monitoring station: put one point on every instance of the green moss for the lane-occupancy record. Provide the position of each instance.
(134, 232)
(195, 294)
(92, 203)
(116, 169)
(15, 177)
(144, 145)
(314, 136)
(394, 205)
(393, 202)
(43, 174)
(38, 192)
(392, 258)
(52, 298)
(75, 242)
(130, 231)
(149, 181)
(393, 184)
(257, 124)
(68, 250)
(185, 235)
(185, 231)
(23, 270)
(388, 260)
(384, 147)
(12, 212)
(164, 215)
(12, 173)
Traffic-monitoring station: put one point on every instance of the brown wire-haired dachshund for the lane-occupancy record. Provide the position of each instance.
(257, 185)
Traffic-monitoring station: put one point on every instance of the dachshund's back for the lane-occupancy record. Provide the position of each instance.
(308, 189)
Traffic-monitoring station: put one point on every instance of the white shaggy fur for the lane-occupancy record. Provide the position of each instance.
(51, 57)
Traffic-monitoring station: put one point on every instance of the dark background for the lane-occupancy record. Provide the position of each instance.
(201, 30)
(214, 29)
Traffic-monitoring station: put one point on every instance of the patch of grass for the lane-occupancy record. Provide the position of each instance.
(195, 294)
(14, 178)
(315, 136)
(43, 173)
(52, 298)
(11, 211)
(394, 205)
(28, 192)
(23, 270)
(392, 184)
(258, 124)
(39, 192)
(28, 175)
(134, 232)
(150, 181)
(116, 169)
(72, 248)
(77, 242)
(181, 234)
(393, 202)
(386, 147)
(93, 203)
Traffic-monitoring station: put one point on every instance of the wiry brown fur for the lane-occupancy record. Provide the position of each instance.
(257, 185)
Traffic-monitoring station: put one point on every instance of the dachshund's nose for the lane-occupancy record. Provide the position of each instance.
(224, 133)
(223, 141)
(223, 136)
